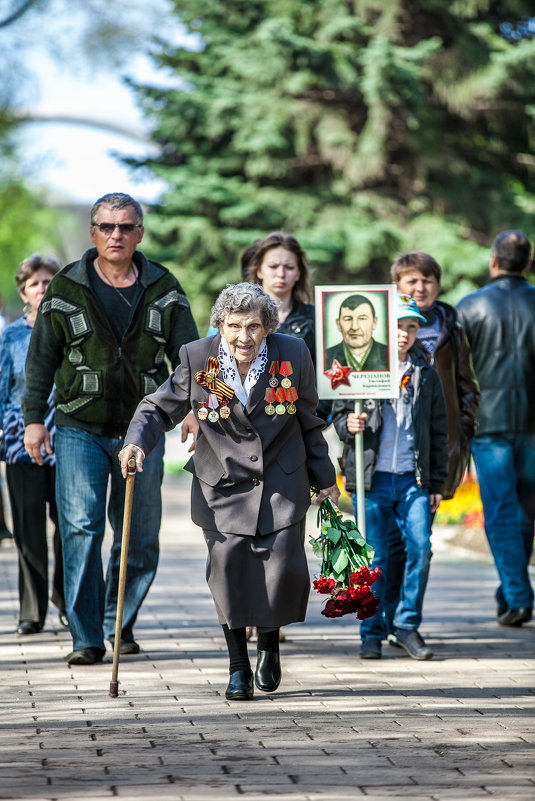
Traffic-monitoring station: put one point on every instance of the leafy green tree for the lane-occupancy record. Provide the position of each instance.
(365, 127)
(94, 36)
(26, 226)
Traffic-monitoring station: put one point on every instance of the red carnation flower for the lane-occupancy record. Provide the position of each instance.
(360, 576)
(364, 576)
(324, 585)
(358, 592)
(348, 587)
(331, 609)
(368, 606)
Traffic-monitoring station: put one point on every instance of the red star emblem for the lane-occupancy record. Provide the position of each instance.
(338, 374)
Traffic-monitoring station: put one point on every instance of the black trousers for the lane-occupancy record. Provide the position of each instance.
(31, 488)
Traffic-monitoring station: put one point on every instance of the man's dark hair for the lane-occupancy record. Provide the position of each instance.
(353, 301)
(512, 250)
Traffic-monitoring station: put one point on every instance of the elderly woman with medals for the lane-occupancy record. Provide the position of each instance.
(259, 450)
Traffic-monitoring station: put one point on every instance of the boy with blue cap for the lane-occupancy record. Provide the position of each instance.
(405, 465)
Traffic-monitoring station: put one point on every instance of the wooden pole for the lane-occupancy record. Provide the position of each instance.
(127, 517)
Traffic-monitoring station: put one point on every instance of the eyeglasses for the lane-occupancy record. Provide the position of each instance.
(108, 228)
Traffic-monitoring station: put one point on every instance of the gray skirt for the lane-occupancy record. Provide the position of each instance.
(258, 581)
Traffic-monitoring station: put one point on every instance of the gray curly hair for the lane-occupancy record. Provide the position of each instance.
(245, 297)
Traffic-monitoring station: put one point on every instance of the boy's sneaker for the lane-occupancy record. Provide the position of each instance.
(393, 640)
(413, 643)
(370, 648)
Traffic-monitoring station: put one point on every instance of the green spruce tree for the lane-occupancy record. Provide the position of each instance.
(365, 128)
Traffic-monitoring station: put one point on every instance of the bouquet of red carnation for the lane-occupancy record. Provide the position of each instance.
(345, 560)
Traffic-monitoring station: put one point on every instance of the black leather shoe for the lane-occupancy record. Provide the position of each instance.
(501, 606)
(370, 648)
(413, 642)
(515, 617)
(126, 647)
(86, 656)
(268, 671)
(240, 686)
(28, 627)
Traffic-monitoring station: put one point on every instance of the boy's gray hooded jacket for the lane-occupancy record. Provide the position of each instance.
(430, 423)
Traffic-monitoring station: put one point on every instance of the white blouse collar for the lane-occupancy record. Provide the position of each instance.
(230, 372)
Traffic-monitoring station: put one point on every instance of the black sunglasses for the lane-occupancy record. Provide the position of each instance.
(108, 228)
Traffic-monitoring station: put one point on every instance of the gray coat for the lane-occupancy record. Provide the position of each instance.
(252, 471)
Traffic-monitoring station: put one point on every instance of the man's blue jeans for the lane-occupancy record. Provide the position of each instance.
(399, 494)
(84, 464)
(505, 465)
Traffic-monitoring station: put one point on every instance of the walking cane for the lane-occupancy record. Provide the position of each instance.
(127, 517)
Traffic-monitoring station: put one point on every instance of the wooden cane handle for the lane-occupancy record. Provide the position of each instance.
(131, 469)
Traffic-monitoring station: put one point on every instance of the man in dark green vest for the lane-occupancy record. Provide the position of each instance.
(102, 335)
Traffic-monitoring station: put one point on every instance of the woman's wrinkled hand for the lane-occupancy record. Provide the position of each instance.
(131, 452)
(190, 425)
(331, 492)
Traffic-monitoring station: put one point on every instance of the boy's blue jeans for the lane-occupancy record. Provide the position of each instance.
(84, 464)
(505, 465)
(399, 494)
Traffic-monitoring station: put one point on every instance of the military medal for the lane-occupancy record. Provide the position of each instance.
(280, 394)
(213, 415)
(273, 370)
(286, 370)
(291, 395)
(224, 411)
(202, 414)
(269, 397)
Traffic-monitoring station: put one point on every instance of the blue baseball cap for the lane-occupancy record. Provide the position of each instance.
(407, 308)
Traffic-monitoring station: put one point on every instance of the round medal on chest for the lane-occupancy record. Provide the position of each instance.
(280, 408)
(213, 417)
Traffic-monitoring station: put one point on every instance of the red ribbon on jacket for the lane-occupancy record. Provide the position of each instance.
(208, 378)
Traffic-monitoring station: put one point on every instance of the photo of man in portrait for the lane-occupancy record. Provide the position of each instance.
(357, 321)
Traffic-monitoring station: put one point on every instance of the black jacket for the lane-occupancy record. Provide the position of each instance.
(301, 323)
(499, 322)
(430, 430)
(453, 362)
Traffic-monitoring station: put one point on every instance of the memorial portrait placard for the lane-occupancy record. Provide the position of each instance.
(356, 341)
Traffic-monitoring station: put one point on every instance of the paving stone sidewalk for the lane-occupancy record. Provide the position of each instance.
(460, 726)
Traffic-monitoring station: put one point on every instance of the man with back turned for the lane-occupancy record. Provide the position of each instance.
(498, 321)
